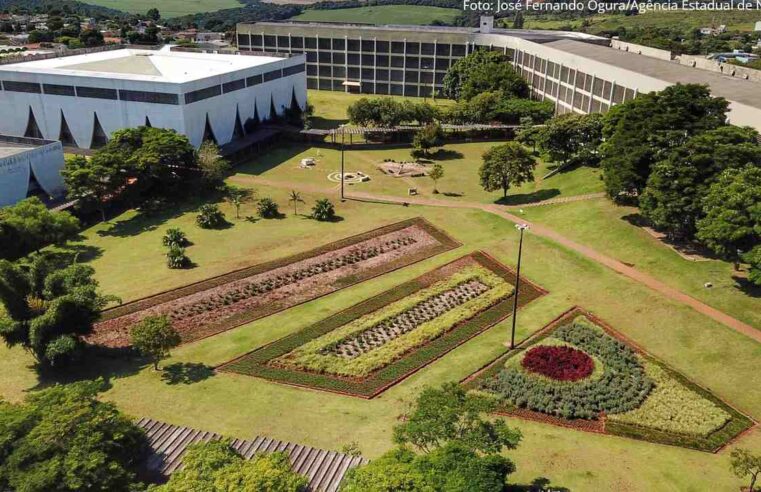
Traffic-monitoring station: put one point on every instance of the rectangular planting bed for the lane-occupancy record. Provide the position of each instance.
(579, 372)
(367, 348)
(218, 304)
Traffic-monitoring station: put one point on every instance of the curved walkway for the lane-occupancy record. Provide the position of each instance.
(546, 232)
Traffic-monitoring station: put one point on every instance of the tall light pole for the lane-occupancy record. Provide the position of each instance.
(343, 136)
(521, 228)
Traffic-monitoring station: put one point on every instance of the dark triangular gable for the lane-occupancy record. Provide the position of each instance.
(148, 123)
(208, 132)
(99, 138)
(32, 129)
(238, 129)
(65, 135)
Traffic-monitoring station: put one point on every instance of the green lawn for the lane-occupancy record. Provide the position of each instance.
(602, 225)
(383, 14)
(168, 8)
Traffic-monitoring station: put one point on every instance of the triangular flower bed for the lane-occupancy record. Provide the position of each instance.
(373, 345)
(579, 372)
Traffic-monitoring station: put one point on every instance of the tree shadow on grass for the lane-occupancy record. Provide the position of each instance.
(539, 484)
(524, 198)
(186, 373)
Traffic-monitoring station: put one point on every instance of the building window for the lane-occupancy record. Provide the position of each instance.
(96, 93)
(150, 97)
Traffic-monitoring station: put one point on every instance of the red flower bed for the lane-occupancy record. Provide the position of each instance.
(561, 363)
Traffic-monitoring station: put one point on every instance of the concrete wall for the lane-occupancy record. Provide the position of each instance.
(641, 50)
(704, 63)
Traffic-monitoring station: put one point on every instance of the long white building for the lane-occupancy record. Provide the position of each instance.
(81, 100)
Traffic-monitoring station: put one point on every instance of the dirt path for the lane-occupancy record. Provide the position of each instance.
(540, 230)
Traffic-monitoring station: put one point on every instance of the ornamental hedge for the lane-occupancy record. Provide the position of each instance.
(261, 362)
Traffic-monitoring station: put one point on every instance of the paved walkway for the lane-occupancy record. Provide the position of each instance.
(542, 231)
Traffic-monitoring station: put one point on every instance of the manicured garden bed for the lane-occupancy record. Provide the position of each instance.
(221, 303)
(579, 372)
(373, 345)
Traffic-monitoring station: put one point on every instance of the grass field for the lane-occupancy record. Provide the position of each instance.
(168, 8)
(383, 14)
(685, 21)
(128, 258)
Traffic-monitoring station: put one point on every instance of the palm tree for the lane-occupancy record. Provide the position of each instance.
(295, 198)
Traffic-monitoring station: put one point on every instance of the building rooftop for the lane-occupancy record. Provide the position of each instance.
(147, 65)
(731, 88)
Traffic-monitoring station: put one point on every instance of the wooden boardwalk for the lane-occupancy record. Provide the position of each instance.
(324, 469)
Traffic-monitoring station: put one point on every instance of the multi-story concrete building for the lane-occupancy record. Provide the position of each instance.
(578, 72)
(81, 100)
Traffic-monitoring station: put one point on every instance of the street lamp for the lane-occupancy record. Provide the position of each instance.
(520, 227)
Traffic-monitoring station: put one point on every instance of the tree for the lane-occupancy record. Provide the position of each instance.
(483, 71)
(267, 208)
(732, 208)
(676, 188)
(427, 137)
(64, 439)
(451, 414)
(215, 466)
(96, 180)
(48, 307)
(29, 226)
(295, 198)
(572, 138)
(210, 216)
(213, 166)
(436, 173)
(744, 464)
(323, 210)
(238, 196)
(505, 166)
(154, 337)
(641, 132)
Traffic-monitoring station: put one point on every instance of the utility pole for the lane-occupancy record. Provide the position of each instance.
(521, 228)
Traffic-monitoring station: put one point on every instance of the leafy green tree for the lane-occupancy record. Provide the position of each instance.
(210, 216)
(641, 132)
(216, 467)
(154, 337)
(451, 414)
(745, 464)
(237, 197)
(676, 188)
(48, 307)
(428, 137)
(732, 207)
(323, 210)
(29, 226)
(572, 138)
(267, 208)
(95, 181)
(483, 71)
(295, 198)
(436, 173)
(505, 166)
(213, 166)
(64, 439)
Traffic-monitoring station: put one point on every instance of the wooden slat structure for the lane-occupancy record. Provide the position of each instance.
(324, 469)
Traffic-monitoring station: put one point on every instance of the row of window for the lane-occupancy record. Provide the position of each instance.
(146, 96)
(272, 43)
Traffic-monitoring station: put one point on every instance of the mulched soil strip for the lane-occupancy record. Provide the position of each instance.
(441, 242)
(737, 426)
(256, 363)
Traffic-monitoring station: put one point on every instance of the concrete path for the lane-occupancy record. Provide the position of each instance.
(542, 231)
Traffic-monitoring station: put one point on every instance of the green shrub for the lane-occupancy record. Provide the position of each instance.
(323, 210)
(210, 216)
(267, 208)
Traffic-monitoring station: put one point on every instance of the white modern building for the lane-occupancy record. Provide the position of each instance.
(81, 100)
(29, 166)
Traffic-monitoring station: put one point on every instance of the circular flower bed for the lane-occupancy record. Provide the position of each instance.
(558, 362)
